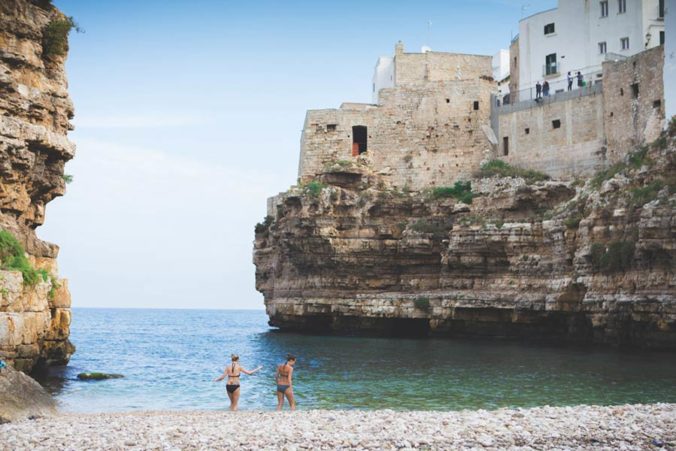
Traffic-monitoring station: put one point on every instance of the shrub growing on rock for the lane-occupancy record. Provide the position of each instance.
(13, 258)
(55, 36)
(263, 227)
(617, 256)
(461, 191)
(501, 169)
(422, 303)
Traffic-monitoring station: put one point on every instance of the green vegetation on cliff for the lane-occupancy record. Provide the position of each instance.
(501, 169)
(55, 36)
(13, 258)
(461, 191)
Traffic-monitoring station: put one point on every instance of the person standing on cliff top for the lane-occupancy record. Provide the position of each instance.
(538, 90)
(284, 378)
(232, 385)
(569, 78)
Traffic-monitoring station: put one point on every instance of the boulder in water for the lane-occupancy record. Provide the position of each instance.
(98, 376)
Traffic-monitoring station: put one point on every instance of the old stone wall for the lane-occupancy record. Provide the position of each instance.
(416, 68)
(633, 101)
(35, 111)
(514, 58)
(424, 134)
(561, 138)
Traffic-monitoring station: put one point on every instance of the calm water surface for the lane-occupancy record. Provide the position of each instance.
(170, 357)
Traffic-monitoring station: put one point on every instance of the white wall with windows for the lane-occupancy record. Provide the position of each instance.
(578, 35)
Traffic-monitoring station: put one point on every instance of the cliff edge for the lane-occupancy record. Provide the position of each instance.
(509, 254)
(34, 120)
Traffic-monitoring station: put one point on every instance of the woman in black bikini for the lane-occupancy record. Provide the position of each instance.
(284, 382)
(232, 385)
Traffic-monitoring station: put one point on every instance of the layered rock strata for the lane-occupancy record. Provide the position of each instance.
(34, 119)
(586, 262)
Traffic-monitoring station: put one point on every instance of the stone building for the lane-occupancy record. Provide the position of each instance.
(571, 134)
(579, 35)
(430, 126)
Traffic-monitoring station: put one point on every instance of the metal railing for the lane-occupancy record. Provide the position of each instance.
(589, 80)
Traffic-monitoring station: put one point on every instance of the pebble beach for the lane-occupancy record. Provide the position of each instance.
(651, 426)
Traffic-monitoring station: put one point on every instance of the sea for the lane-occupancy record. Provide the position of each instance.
(170, 358)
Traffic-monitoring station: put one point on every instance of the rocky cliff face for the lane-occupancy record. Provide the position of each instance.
(34, 119)
(588, 262)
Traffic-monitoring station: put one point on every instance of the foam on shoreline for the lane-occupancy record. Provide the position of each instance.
(624, 427)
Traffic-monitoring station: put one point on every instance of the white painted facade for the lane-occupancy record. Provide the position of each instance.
(579, 29)
(670, 61)
(383, 76)
(500, 65)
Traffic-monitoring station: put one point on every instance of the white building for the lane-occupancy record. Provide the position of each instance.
(580, 34)
(670, 61)
(500, 64)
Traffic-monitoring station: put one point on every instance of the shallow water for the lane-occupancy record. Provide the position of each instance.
(170, 357)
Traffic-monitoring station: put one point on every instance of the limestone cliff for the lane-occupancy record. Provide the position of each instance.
(572, 261)
(34, 119)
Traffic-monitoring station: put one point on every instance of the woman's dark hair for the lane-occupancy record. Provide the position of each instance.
(234, 357)
(290, 357)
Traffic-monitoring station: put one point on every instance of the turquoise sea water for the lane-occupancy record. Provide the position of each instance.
(170, 357)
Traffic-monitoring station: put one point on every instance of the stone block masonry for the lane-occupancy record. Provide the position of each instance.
(423, 133)
(563, 139)
(633, 101)
(573, 134)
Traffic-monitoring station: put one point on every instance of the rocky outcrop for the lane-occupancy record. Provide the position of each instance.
(586, 262)
(21, 397)
(34, 119)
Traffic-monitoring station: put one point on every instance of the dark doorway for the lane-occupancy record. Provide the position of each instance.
(359, 139)
(505, 145)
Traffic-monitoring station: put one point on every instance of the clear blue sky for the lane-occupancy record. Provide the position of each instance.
(188, 116)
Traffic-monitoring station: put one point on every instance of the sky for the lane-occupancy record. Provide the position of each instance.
(188, 116)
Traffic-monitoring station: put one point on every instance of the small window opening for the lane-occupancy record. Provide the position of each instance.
(611, 114)
(448, 100)
(505, 145)
(476, 105)
(634, 90)
(331, 127)
(657, 103)
(359, 140)
(556, 123)
(549, 28)
(527, 131)
(604, 8)
(621, 91)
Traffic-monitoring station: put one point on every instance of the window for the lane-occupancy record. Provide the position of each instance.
(331, 127)
(556, 123)
(602, 48)
(476, 105)
(624, 43)
(527, 131)
(634, 90)
(505, 146)
(661, 37)
(448, 100)
(621, 6)
(604, 8)
(657, 103)
(661, 16)
(550, 64)
(549, 28)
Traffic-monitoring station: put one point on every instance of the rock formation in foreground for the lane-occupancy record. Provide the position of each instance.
(34, 119)
(572, 261)
(21, 397)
